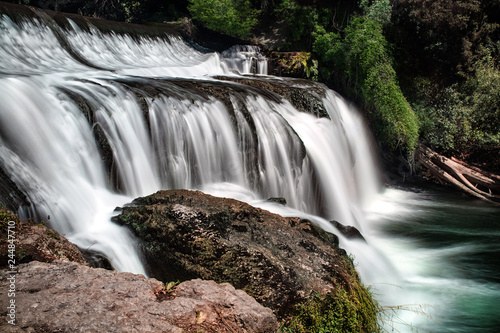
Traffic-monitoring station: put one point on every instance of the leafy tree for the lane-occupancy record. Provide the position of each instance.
(377, 10)
(233, 17)
(484, 100)
(361, 59)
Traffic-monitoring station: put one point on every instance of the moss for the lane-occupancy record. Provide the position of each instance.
(53, 234)
(187, 234)
(5, 217)
(348, 308)
(337, 311)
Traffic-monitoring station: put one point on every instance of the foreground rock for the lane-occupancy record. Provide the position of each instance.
(279, 261)
(68, 297)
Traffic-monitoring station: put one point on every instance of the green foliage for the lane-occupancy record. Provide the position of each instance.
(465, 117)
(349, 308)
(299, 63)
(377, 10)
(5, 217)
(300, 21)
(169, 287)
(362, 60)
(233, 17)
(484, 99)
(132, 10)
(445, 37)
(446, 122)
(52, 234)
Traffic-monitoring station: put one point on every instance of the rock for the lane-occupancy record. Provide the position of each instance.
(36, 242)
(281, 201)
(289, 64)
(348, 230)
(279, 261)
(69, 297)
(304, 95)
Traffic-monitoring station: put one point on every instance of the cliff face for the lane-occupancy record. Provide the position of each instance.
(280, 261)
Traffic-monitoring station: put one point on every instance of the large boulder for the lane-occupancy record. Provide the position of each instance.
(69, 297)
(279, 261)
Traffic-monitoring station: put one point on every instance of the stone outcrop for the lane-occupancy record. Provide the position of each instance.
(35, 242)
(69, 297)
(348, 230)
(279, 261)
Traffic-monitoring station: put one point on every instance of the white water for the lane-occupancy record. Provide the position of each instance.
(49, 150)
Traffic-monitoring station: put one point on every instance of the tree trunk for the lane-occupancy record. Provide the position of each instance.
(472, 180)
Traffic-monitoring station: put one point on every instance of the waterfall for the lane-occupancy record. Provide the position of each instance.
(153, 113)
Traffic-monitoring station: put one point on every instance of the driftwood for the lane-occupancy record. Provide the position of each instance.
(472, 180)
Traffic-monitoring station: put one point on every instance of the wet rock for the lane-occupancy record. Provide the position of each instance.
(306, 96)
(11, 196)
(69, 297)
(348, 230)
(279, 261)
(281, 201)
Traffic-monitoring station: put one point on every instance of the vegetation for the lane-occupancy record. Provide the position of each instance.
(5, 217)
(233, 17)
(353, 56)
(422, 70)
(447, 58)
(341, 310)
(361, 60)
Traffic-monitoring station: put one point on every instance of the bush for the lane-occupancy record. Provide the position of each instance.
(447, 126)
(233, 17)
(465, 117)
(362, 60)
(484, 98)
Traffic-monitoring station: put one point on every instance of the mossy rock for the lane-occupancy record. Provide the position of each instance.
(282, 262)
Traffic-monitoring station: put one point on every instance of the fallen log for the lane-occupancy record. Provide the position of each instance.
(470, 179)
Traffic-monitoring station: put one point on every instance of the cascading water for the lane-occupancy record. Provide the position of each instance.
(155, 120)
(152, 113)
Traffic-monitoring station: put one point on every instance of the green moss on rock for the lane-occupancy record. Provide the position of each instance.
(348, 309)
(287, 264)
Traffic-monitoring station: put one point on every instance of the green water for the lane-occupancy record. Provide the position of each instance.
(446, 249)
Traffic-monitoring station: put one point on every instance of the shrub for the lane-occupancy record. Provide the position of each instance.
(465, 117)
(362, 60)
(233, 17)
(484, 98)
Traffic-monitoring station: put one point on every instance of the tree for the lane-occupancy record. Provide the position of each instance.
(362, 60)
(233, 17)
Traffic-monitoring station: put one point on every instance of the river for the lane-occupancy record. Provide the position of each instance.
(445, 248)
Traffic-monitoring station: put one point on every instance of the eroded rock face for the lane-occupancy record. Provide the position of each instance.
(279, 261)
(69, 297)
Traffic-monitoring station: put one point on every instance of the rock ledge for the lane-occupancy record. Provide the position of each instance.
(69, 297)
